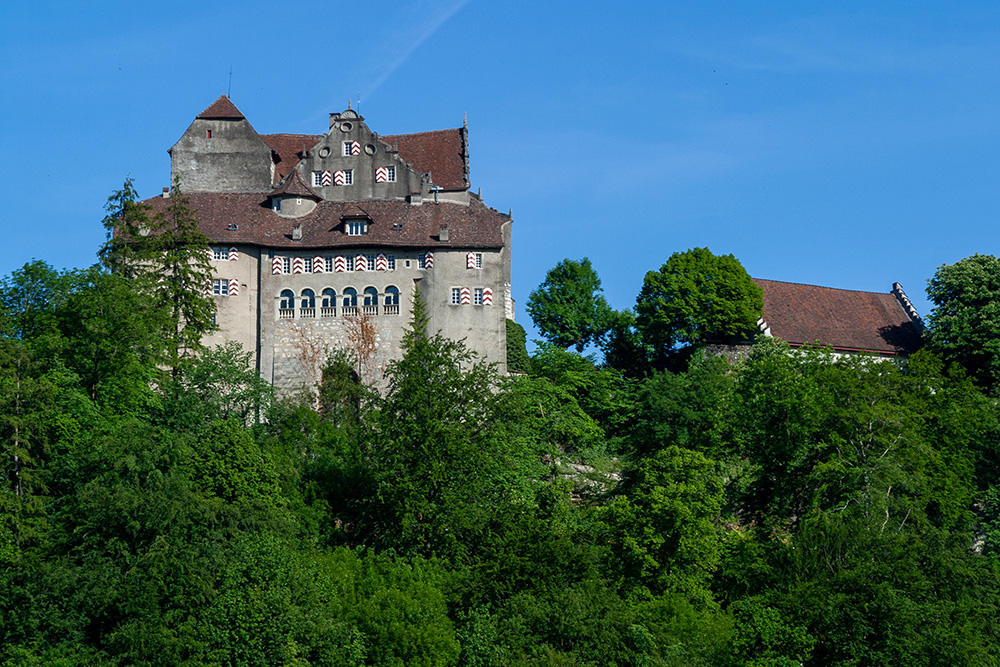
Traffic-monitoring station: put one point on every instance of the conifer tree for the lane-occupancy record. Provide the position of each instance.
(185, 277)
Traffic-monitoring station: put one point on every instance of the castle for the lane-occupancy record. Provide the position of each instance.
(322, 241)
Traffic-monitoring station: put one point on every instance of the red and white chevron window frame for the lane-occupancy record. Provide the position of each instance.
(428, 260)
(319, 264)
(466, 294)
(276, 266)
(234, 254)
(382, 263)
(340, 264)
(360, 263)
(298, 265)
(234, 287)
(487, 296)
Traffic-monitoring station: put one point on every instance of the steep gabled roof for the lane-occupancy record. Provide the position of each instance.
(294, 185)
(846, 320)
(443, 153)
(221, 109)
(247, 218)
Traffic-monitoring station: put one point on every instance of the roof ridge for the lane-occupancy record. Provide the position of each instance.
(839, 289)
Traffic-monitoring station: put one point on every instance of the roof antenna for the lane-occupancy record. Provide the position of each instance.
(230, 91)
(359, 102)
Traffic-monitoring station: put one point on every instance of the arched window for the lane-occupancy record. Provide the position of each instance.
(307, 305)
(329, 303)
(371, 301)
(391, 300)
(286, 306)
(350, 301)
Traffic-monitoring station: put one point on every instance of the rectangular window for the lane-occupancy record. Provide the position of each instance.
(350, 263)
(391, 259)
(317, 178)
(329, 264)
(348, 177)
(391, 174)
(347, 148)
(356, 227)
(477, 296)
(220, 253)
(277, 204)
(456, 296)
(371, 262)
(479, 260)
(286, 265)
(307, 265)
(421, 262)
(220, 287)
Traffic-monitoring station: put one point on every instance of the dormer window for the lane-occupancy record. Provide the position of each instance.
(276, 204)
(356, 227)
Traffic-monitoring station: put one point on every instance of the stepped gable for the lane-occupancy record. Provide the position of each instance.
(221, 109)
(289, 149)
(246, 218)
(443, 153)
(845, 320)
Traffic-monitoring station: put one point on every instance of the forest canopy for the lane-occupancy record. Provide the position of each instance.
(161, 506)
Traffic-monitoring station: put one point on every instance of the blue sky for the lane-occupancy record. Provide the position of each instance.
(842, 144)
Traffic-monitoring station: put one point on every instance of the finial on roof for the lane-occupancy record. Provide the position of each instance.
(348, 102)
(465, 120)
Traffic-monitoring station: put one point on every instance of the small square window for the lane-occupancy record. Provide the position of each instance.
(477, 296)
(456, 296)
(220, 287)
(208, 134)
(220, 253)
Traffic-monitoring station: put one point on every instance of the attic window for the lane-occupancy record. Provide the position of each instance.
(208, 134)
(356, 227)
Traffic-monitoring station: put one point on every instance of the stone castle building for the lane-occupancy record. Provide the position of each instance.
(322, 241)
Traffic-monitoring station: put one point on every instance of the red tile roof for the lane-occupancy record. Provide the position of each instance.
(843, 319)
(289, 149)
(443, 153)
(221, 109)
(394, 223)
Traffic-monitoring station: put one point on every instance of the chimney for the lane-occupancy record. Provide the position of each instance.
(166, 193)
(443, 234)
(297, 233)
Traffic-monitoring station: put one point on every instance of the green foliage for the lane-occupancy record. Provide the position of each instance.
(662, 529)
(568, 307)
(964, 326)
(623, 346)
(517, 352)
(129, 250)
(228, 464)
(182, 273)
(695, 297)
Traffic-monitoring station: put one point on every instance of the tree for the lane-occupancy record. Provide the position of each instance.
(568, 307)
(964, 326)
(186, 274)
(129, 248)
(696, 297)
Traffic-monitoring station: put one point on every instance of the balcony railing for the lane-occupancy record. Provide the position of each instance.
(391, 309)
(328, 311)
(307, 312)
(369, 310)
(350, 311)
(286, 313)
